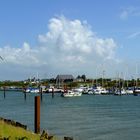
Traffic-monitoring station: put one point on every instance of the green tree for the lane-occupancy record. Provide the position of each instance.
(83, 77)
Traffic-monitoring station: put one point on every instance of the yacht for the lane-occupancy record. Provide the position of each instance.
(120, 92)
(71, 93)
(137, 90)
(100, 90)
(32, 90)
(130, 90)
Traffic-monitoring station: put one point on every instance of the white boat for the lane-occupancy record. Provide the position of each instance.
(123, 92)
(78, 90)
(100, 90)
(32, 90)
(90, 92)
(27, 90)
(72, 93)
(137, 90)
(130, 91)
(120, 92)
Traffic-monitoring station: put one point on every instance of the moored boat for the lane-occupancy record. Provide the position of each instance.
(71, 93)
(100, 90)
(120, 92)
(32, 90)
(130, 90)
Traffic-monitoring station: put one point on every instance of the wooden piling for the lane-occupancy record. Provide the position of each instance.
(25, 96)
(4, 90)
(24, 92)
(52, 92)
(37, 114)
(65, 89)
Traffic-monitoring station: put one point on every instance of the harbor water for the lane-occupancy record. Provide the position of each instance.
(89, 117)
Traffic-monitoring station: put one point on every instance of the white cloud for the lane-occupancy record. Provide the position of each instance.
(76, 37)
(69, 46)
(24, 56)
(124, 15)
(134, 35)
(130, 12)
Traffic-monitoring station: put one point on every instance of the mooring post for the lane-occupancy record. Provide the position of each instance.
(37, 114)
(65, 89)
(4, 89)
(25, 96)
(24, 92)
(52, 92)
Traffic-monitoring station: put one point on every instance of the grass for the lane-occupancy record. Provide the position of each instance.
(16, 133)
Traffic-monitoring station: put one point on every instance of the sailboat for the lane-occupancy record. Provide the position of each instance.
(136, 88)
(120, 90)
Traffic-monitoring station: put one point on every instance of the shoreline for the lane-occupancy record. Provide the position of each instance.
(13, 123)
(10, 130)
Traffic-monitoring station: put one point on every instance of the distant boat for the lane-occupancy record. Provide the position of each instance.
(32, 90)
(136, 91)
(130, 90)
(120, 92)
(90, 92)
(100, 90)
(35, 90)
(71, 93)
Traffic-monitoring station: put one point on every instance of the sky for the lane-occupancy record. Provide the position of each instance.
(43, 38)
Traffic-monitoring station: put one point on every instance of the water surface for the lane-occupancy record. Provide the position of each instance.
(87, 117)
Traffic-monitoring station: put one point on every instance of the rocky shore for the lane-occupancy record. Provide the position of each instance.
(13, 123)
(15, 127)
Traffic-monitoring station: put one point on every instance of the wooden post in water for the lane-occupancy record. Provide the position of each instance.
(37, 114)
(4, 89)
(52, 92)
(24, 92)
(25, 96)
(65, 89)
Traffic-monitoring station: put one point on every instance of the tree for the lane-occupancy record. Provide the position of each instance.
(78, 77)
(83, 77)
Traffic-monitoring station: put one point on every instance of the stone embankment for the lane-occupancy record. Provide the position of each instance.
(43, 136)
(13, 123)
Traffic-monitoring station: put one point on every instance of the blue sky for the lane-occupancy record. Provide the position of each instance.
(24, 26)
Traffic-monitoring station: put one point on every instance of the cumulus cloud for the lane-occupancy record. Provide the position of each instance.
(69, 46)
(74, 37)
(25, 55)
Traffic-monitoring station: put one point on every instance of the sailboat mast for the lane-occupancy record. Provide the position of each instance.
(136, 75)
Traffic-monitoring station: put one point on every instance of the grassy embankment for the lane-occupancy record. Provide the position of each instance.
(16, 133)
